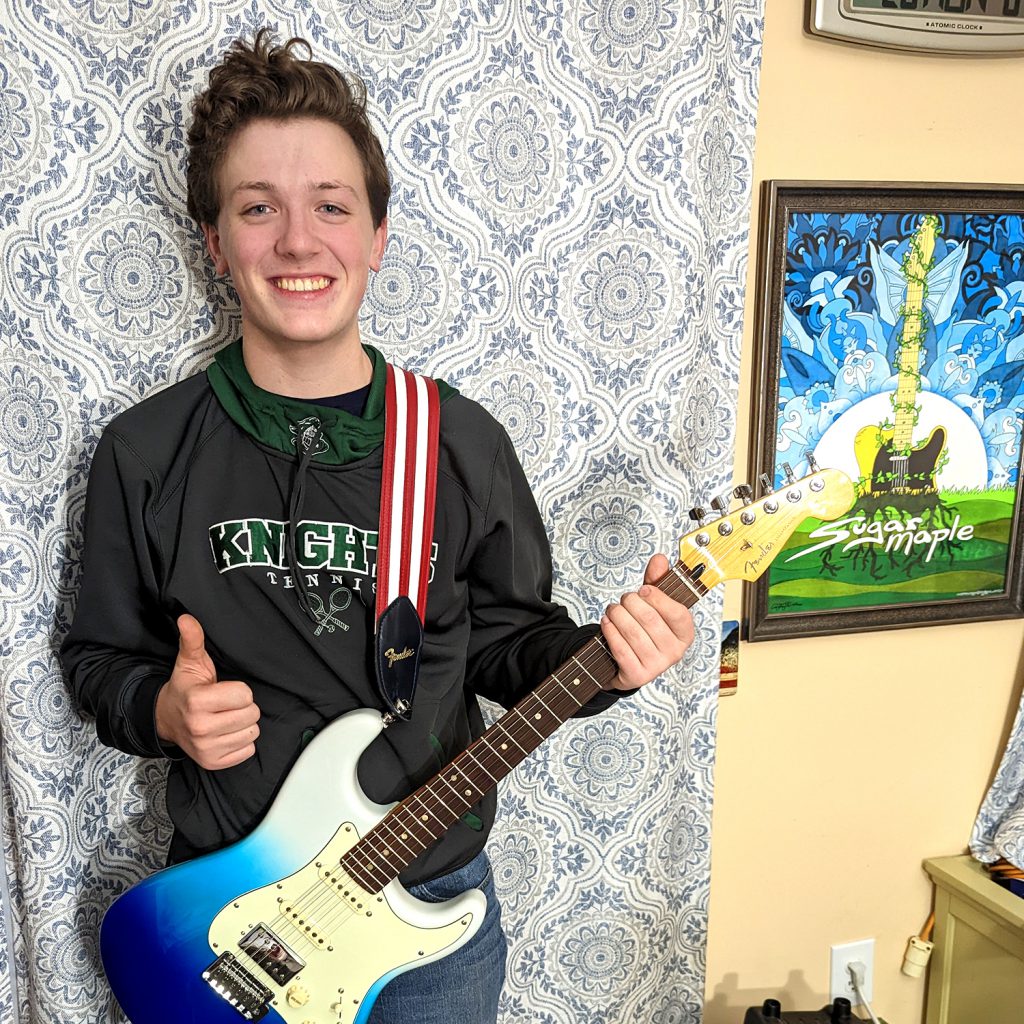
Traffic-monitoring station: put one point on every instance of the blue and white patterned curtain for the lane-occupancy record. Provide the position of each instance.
(568, 245)
(999, 829)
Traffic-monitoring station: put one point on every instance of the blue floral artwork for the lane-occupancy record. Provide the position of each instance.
(900, 360)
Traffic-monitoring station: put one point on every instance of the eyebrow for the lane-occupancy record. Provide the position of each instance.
(266, 186)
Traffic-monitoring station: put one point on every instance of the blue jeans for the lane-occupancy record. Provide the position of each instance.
(463, 987)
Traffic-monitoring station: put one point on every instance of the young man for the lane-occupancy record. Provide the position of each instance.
(227, 605)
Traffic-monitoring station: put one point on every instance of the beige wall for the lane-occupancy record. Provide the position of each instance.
(843, 762)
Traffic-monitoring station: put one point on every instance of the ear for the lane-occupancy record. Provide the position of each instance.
(214, 248)
(380, 238)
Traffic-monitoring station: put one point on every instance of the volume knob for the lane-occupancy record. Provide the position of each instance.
(296, 996)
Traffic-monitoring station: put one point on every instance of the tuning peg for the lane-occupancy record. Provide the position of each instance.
(697, 514)
(744, 492)
(788, 476)
(720, 504)
(766, 483)
(811, 461)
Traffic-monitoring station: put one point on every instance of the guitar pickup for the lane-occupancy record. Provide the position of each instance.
(232, 982)
(271, 953)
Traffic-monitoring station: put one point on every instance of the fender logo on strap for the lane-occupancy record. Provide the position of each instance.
(392, 655)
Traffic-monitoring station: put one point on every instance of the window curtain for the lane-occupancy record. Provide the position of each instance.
(568, 246)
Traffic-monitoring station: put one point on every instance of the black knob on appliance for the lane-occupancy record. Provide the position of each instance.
(772, 1009)
(840, 1011)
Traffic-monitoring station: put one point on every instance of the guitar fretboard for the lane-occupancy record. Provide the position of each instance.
(422, 818)
(919, 260)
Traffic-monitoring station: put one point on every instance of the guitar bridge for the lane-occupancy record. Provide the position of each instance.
(230, 980)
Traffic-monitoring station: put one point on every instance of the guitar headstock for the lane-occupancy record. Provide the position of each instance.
(742, 544)
(918, 259)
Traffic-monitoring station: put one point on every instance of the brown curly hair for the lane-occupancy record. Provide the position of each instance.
(262, 81)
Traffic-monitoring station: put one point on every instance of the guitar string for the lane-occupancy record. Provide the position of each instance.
(595, 653)
(317, 903)
(593, 660)
(319, 899)
(331, 908)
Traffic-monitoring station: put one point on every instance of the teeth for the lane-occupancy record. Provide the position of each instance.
(302, 284)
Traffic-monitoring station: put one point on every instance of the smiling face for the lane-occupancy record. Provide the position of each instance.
(296, 234)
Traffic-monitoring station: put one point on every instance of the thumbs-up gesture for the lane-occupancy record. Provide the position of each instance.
(213, 722)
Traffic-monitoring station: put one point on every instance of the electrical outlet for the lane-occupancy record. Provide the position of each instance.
(840, 983)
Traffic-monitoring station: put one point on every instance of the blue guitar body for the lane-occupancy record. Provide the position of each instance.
(271, 928)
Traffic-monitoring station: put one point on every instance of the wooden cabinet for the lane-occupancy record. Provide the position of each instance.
(976, 974)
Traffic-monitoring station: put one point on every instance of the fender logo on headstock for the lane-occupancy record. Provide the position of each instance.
(766, 549)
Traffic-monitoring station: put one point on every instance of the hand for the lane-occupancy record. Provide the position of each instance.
(213, 722)
(647, 632)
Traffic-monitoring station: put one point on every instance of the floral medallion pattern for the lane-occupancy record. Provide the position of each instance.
(624, 52)
(567, 246)
(407, 30)
(33, 423)
(129, 276)
(407, 297)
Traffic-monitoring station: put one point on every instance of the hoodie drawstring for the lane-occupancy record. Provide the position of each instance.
(309, 441)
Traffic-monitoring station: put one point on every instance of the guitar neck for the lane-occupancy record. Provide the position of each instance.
(916, 267)
(422, 818)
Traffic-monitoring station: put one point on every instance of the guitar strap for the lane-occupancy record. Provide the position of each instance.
(406, 535)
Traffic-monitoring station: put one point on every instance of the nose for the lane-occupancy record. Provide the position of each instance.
(298, 238)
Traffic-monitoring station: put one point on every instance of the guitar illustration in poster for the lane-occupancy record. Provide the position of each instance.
(888, 460)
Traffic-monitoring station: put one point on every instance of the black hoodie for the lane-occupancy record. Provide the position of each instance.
(187, 512)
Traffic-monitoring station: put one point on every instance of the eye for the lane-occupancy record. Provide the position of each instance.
(256, 210)
(333, 209)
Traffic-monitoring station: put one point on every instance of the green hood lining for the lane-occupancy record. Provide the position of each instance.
(271, 418)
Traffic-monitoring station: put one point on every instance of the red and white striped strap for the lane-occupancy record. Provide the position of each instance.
(406, 535)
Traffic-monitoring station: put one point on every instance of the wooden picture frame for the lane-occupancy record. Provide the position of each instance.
(890, 344)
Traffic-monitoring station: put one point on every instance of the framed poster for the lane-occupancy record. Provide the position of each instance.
(890, 345)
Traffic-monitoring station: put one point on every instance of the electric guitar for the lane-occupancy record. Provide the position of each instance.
(888, 460)
(304, 921)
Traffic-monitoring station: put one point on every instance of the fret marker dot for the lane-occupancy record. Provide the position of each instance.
(469, 792)
(424, 818)
(405, 835)
(537, 716)
(504, 746)
(576, 681)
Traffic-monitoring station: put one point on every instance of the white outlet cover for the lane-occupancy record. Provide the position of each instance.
(839, 978)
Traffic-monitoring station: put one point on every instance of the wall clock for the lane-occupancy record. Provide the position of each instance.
(943, 26)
